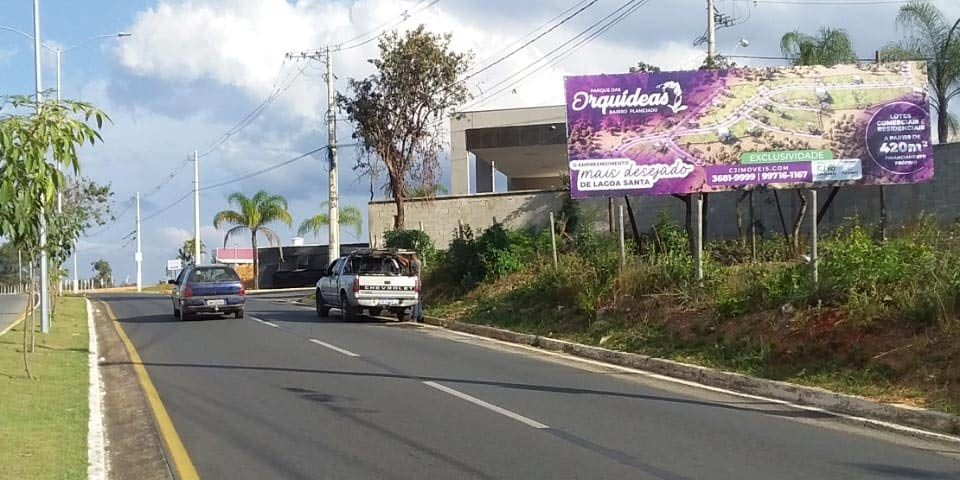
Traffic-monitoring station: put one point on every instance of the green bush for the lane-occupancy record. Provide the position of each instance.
(415, 240)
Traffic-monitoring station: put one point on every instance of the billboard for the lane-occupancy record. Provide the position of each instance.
(710, 131)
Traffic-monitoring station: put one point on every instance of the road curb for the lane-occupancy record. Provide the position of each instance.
(929, 420)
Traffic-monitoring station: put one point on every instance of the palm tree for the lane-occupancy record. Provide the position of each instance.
(349, 216)
(931, 38)
(253, 215)
(829, 47)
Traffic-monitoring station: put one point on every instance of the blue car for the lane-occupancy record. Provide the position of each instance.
(207, 290)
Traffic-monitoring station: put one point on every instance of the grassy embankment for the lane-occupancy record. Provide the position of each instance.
(884, 322)
(43, 421)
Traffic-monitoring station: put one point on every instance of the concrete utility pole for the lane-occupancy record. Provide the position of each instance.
(44, 273)
(196, 208)
(333, 214)
(139, 255)
(711, 32)
(333, 248)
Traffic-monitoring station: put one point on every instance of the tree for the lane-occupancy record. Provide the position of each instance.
(350, 216)
(717, 62)
(829, 47)
(253, 215)
(397, 112)
(644, 67)
(85, 204)
(931, 38)
(185, 253)
(104, 273)
(33, 148)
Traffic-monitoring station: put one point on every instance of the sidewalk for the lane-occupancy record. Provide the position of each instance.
(11, 307)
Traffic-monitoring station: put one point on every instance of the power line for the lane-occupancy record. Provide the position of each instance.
(528, 43)
(168, 207)
(382, 28)
(278, 89)
(264, 170)
(829, 2)
(611, 19)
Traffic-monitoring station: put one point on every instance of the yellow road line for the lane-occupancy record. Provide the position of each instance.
(182, 464)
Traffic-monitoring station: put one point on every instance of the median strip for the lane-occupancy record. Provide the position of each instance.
(488, 406)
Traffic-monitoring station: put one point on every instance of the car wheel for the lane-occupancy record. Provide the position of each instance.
(402, 314)
(375, 312)
(238, 313)
(323, 310)
(184, 315)
(349, 313)
(176, 313)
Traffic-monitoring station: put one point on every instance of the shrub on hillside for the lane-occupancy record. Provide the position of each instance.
(415, 240)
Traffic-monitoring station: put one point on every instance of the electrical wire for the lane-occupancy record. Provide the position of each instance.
(250, 117)
(598, 28)
(528, 43)
(383, 28)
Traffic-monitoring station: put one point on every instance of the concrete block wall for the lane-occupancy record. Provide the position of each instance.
(939, 199)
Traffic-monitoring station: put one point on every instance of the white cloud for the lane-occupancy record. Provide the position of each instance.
(242, 43)
(173, 237)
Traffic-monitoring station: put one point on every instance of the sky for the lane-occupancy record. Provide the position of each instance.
(192, 71)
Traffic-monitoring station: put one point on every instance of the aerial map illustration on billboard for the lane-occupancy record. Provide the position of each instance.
(710, 131)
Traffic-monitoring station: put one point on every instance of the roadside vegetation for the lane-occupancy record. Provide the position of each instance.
(43, 434)
(884, 321)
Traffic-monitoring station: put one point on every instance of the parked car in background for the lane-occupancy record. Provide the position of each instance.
(369, 279)
(214, 289)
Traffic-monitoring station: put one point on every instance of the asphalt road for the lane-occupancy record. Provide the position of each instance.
(11, 307)
(281, 394)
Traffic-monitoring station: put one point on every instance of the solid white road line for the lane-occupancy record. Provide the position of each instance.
(488, 406)
(96, 450)
(334, 348)
(852, 418)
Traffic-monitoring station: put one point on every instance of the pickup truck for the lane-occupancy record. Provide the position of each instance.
(372, 280)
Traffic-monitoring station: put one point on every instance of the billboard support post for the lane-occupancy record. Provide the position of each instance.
(553, 239)
(814, 255)
(698, 237)
(623, 247)
(753, 230)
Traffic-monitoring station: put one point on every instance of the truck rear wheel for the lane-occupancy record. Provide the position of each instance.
(349, 313)
(323, 310)
(402, 314)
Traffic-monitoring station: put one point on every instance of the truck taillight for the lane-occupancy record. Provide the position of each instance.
(356, 284)
(187, 292)
(243, 291)
(417, 288)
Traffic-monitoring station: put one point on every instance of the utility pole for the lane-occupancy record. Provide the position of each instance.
(139, 255)
(44, 274)
(196, 208)
(333, 243)
(711, 33)
(333, 247)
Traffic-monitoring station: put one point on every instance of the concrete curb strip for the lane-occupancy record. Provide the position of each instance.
(930, 420)
(97, 468)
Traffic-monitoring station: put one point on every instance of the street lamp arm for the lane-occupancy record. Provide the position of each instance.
(110, 35)
(71, 47)
(27, 35)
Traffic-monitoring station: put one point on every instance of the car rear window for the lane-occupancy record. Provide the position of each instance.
(212, 275)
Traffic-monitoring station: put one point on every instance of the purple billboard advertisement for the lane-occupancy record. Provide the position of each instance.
(710, 131)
